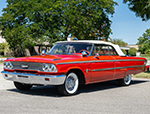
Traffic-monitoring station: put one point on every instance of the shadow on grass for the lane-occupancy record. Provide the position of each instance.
(52, 91)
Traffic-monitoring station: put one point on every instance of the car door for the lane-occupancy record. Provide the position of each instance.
(103, 65)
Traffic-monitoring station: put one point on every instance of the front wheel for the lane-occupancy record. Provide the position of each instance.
(22, 86)
(126, 80)
(70, 86)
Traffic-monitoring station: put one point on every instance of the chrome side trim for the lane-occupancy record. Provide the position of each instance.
(103, 69)
(85, 62)
(118, 68)
(131, 60)
(78, 62)
(33, 78)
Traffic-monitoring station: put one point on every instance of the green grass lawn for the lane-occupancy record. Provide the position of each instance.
(142, 75)
(147, 56)
(1, 56)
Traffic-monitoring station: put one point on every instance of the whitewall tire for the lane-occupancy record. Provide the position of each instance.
(126, 80)
(70, 86)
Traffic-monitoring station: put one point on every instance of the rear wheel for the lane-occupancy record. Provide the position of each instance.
(126, 80)
(22, 86)
(70, 86)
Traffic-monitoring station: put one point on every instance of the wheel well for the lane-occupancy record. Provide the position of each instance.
(79, 74)
(130, 71)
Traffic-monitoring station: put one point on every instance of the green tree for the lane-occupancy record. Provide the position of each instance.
(0, 27)
(119, 42)
(4, 48)
(28, 22)
(144, 42)
(132, 51)
(140, 7)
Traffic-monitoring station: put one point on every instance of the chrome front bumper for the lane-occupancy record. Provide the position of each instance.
(34, 79)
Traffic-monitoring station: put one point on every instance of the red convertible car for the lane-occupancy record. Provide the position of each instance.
(70, 64)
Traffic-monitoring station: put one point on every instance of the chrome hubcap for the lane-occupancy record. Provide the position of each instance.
(72, 83)
(127, 79)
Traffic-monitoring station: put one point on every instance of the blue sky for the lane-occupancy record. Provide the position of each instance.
(2, 5)
(125, 25)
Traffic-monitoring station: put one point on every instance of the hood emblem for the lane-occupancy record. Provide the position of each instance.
(25, 66)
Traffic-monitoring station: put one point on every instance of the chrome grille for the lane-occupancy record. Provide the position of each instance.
(30, 65)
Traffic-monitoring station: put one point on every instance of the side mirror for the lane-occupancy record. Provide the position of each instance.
(84, 54)
(96, 55)
(43, 52)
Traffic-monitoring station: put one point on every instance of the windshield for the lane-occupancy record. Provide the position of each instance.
(70, 48)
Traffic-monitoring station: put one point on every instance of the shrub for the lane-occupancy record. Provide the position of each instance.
(132, 51)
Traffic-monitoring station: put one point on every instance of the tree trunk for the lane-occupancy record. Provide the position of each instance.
(32, 50)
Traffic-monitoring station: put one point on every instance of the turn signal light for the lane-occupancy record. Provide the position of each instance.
(47, 79)
(6, 75)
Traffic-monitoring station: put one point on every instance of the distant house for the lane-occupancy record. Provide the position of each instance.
(133, 46)
(126, 49)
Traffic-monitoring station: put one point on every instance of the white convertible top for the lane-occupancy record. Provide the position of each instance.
(117, 48)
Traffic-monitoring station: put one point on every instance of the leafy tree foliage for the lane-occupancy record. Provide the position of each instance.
(140, 7)
(132, 51)
(144, 42)
(28, 22)
(119, 42)
(4, 47)
(0, 27)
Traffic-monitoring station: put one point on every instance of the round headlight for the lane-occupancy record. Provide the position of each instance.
(45, 67)
(52, 68)
(8, 65)
(49, 68)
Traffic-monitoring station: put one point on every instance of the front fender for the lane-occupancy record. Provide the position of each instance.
(70, 68)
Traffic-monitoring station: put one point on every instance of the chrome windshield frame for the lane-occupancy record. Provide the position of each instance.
(91, 49)
(92, 46)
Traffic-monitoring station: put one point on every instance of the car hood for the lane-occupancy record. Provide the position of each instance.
(45, 58)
